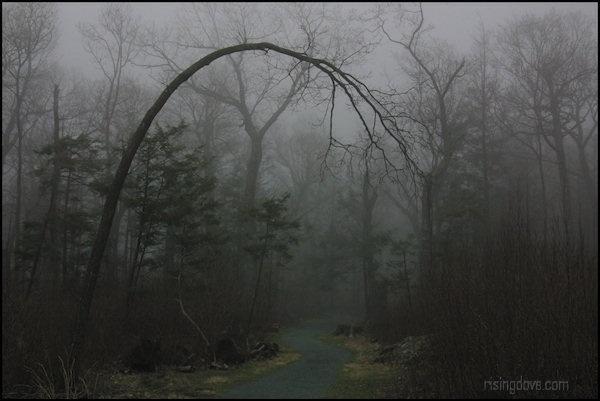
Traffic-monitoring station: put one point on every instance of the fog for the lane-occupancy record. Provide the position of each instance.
(299, 200)
(455, 22)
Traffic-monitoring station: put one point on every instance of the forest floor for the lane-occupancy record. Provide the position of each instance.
(170, 384)
(361, 378)
(313, 364)
(306, 367)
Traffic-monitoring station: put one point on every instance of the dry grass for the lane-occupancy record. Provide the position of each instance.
(361, 377)
(170, 383)
(46, 385)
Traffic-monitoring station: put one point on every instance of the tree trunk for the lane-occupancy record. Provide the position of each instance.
(113, 250)
(485, 162)
(114, 192)
(427, 225)
(260, 264)
(484, 128)
(16, 239)
(50, 219)
(65, 256)
(369, 197)
(132, 272)
(126, 246)
(590, 186)
(253, 169)
(169, 253)
(561, 159)
(407, 280)
(6, 265)
(540, 165)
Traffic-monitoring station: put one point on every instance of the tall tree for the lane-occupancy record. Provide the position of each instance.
(113, 45)
(28, 38)
(261, 89)
(543, 55)
(51, 218)
(434, 71)
(336, 76)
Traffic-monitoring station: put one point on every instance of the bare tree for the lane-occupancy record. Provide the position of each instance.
(543, 55)
(300, 154)
(260, 92)
(51, 218)
(113, 45)
(28, 37)
(351, 86)
(434, 72)
(369, 195)
(485, 87)
(582, 109)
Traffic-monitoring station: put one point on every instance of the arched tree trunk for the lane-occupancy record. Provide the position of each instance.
(336, 76)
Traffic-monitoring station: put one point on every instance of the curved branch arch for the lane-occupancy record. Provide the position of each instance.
(338, 77)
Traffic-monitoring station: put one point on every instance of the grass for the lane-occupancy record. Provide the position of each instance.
(200, 384)
(362, 378)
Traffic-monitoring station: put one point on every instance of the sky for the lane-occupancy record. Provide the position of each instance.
(456, 23)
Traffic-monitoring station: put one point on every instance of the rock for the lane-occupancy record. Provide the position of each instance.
(146, 356)
(228, 352)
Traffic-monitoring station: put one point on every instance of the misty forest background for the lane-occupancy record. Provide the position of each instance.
(460, 201)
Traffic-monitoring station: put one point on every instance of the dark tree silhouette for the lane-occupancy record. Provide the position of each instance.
(345, 81)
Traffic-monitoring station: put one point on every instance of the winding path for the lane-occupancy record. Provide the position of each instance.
(309, 377)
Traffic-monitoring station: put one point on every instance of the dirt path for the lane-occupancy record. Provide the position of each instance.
(309, 377)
